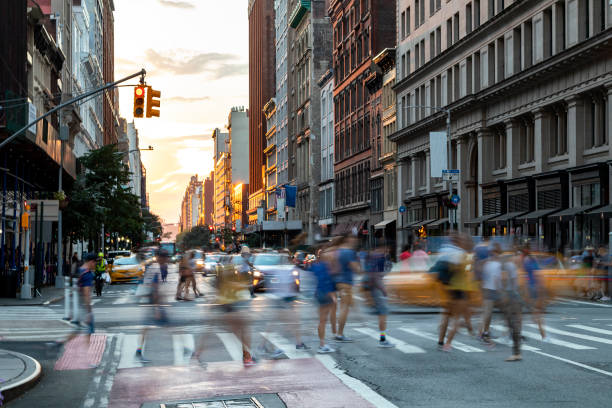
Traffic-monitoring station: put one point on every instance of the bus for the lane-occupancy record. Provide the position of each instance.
(170, 247)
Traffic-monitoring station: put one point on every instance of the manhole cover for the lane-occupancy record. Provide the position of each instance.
(228, 403)
(234, 401)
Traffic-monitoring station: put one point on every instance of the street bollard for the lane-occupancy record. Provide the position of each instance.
(67, 289)
(75, 304)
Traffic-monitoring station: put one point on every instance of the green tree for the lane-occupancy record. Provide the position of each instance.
(197, 237)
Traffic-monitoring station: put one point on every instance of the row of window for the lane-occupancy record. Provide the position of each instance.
(353, 185)
(353, 139)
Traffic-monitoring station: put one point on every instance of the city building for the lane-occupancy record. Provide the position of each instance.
(526, 85)
(270, 153)
(282, 99)
(110, 101)
(240, 200)
(144, 196)
(326, 184)
(191, 206)
(221, 143)
(384, 231)
(134, 159)
(311, 58)
(238, 139)
(261, 89)
(208, 209)
(361, 29)
(223, 191)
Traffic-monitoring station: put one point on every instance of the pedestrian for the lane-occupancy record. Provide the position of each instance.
(74, 265)
(511, 306)
(375, 289)
(191, 278)
(85, 283)
(535, 290)
(164, 270)
(324, 294)
(100, 269)
(182, 288)
(419, 259)
(151, 280)
(348, 265)
(490, 285)
(405, 254)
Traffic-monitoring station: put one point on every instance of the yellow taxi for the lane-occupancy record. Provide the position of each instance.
(127, 269)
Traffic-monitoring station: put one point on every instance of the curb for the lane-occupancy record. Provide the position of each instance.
(41, 303)
(14, 390)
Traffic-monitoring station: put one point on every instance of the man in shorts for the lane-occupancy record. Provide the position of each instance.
(348, 266)
(374, 286)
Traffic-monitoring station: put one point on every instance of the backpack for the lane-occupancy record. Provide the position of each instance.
(443, 270)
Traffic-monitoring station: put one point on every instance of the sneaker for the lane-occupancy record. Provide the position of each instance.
(325, 349)
(302, 346)
(447, 348)
(440, 345)
(343, 339)
(141, 358)
(249, 362)
(605, 298)
(514, 357)
(385, 344)
(276, 354)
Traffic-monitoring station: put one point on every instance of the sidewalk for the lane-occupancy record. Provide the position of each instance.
(49, 295)
(18, 373)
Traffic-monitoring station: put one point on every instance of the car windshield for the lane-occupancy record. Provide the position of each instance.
(112, 255)
(127, 261)
(197, 255)
(237, 259)
(271, 259)
(213, 258)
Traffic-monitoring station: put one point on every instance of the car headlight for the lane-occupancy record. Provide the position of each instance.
(295, 273)
(256, 274)
(200, 263)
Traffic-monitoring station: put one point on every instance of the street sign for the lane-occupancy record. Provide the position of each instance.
(455, 199)
(402, 209)
(451, 175)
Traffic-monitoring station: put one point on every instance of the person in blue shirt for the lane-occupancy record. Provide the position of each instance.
(324, 294)
(348, 265)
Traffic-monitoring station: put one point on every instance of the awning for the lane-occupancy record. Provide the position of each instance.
(605, 211)
(420, 223)
(437, 223)
(506, 217)
(569, 213)
(383, 224)
(535, 216)
(477, 221)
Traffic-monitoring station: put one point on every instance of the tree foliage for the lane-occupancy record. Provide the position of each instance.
(197, 237)
(101, 197)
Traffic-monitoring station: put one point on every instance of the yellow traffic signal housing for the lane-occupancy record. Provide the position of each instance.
(139, 101)
(152, 102)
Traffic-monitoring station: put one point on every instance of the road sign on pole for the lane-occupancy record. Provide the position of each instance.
(451, 175)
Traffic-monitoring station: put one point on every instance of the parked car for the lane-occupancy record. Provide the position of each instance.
(275, 272)
(127, 269)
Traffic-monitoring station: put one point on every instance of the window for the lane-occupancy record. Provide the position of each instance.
(509, 56)
(407, 22)
(463, 80)
(403, 26)
(526, 139)
(438, 40)
(422, 52)
(476, 13)
(416, 14)
(538, 40)
(417, 54)
(527, 45)
(443, 90)
(499, 148)
(403, 66)
(456, 28)
(468, 18)
(45, 131)
(559, 26)
(449, 32)
(558, 130)
(432, 45)
(587, 195)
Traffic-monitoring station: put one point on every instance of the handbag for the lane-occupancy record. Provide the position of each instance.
(106, 277)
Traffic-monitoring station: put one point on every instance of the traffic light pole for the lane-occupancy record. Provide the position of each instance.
(140, 73)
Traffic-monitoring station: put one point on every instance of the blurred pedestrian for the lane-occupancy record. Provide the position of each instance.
(419, 258)
(324, 294)
(151, 280)
(511, 305)
(375, 289)
(600, 281)
(85, 283)
(491, 284)
(405, 254)
(100, 270)
(535, 288)
(348, 265)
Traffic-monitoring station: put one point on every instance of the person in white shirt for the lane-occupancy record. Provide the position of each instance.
(491, 283)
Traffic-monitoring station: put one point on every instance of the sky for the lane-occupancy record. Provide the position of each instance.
(196, 53)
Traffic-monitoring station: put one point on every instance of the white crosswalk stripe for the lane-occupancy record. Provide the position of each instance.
(232, 344)
(128, 352)
(576, 335)
(282, 343)
(399, 344)
(456, 344)
(557, 342)
(28, 313)
(591, 329)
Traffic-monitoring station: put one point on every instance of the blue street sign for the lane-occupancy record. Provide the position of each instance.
(402, 209)
(455, 199)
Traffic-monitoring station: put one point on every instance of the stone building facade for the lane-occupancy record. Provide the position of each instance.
(529, 89)
(326, 186)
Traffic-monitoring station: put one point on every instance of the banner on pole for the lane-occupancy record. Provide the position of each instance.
(438, 155)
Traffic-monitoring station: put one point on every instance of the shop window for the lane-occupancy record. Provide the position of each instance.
(549, 199)
(587, 195)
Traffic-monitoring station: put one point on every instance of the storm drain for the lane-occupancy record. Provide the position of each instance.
(241, 401)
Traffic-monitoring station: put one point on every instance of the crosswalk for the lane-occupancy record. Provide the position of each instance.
(28, 313)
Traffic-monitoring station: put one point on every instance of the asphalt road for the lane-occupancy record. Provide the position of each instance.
(574, 368)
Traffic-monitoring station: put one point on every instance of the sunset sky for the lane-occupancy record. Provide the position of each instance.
(197, 56)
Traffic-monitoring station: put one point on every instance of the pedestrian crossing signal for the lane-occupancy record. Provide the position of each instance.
(139, 102)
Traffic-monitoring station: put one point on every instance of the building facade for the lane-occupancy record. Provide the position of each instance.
(326, 185)
(191, 206)
(361, 29)
(271, 155)
(208, 209)
(528, 88)
(238, 136)
(221, 143)
(261, 89)
(110, 101)
(311, 58)
(281, 96)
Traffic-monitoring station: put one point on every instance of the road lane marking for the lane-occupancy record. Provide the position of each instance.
(232, 344)
(128, 351)
(360, 388)
(591, 329)
(582, 302)
(121, 300)
(285, 345)
(180, 344)
(572, 334)
(456, 344)
(536, 336)
(399, 344)
(565, 360)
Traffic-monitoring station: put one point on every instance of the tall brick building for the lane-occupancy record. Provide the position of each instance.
(361, 29)
(111, 111)
(261, 89)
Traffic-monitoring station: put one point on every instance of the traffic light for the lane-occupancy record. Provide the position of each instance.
(139, 101)
(152, 102)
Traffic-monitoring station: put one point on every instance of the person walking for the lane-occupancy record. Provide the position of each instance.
(348, 265)
(375, 288)
(191, 278)
(491, 283)
(511, 305)
(85, 283)
(324, 295)
(100, 269)
(151, 280)
(185, 271)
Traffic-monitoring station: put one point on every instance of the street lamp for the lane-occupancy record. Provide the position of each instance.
(141, 150)
(448, 140)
